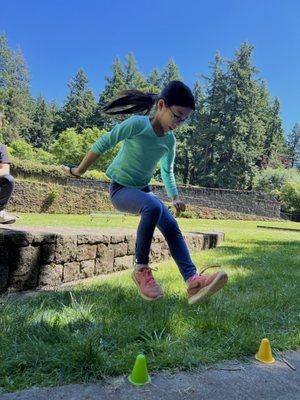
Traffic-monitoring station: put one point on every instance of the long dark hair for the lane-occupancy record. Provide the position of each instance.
(134, 101)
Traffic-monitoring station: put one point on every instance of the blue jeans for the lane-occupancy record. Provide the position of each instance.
(153, 213)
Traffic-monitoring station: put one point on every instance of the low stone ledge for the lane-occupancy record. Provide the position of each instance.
(34, 257)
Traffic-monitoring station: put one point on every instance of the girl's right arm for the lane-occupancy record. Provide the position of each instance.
(88, 160)
(124, 130)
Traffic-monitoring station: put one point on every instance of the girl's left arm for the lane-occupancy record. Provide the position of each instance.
(168, 177)
(167, 173)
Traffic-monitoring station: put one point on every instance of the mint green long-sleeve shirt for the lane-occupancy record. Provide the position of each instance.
(139, 154)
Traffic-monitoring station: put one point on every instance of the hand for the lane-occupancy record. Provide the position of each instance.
(71, 171)
(179, 205)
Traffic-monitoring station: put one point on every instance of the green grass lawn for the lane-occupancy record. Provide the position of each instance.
(96, 330)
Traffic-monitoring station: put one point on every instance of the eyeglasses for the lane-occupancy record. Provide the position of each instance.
(177, 118)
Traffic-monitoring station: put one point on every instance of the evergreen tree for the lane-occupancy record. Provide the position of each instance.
(56, 119)
(115, 84)
(190, 141)
(40, 132)
(293, 142)
(154, 81)
(133, 78)
(170, 73)
(199, 137)
(264, 115)
(91, 107)
(214, 124)
(274, 139)
(242, 141)
(15, 99)
(80, 105)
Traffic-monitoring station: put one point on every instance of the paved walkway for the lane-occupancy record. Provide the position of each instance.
(224, 381)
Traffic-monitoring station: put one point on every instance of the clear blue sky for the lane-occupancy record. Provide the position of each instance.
(59, 37)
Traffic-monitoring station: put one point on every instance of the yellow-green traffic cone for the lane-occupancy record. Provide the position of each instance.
(139, 374)
(264, 353)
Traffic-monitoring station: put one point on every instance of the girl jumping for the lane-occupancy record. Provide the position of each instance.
(146, 141)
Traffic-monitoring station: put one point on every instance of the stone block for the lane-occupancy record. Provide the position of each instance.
(12, 238)
(66, 248)
(87, 268)
(131, 240)
(50, 274)
(105, 259)
(206, 242)
(24, 267)
(86, 252)
(47, 253)
(124, 262)
(156, 251)
(71, 271)
(158, 238)
(121, 249)
(117, 238)
(43, 238)
(92, 239)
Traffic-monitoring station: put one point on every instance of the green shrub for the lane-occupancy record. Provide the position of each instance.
(290, 196)
(23, 150)
(187, 214)
(67, 148)
(45, 157)
(54, 192)
(36, 167)
(272, 180)
(71, 147)
(94, 174)
(33, 166)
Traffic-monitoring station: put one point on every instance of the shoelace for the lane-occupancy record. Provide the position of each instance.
(207, 267)
(149, 276)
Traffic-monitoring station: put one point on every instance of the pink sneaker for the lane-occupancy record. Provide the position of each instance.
(149, 289)
(202, 286)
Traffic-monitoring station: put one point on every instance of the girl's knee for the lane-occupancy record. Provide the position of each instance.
(155, 209)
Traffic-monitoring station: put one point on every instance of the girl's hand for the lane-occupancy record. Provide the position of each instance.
(179, 205)
(71, 171)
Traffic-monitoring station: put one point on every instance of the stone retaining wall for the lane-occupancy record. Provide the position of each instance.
(248, 202)
(243, 201)
(30, 259)
(45, 197)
